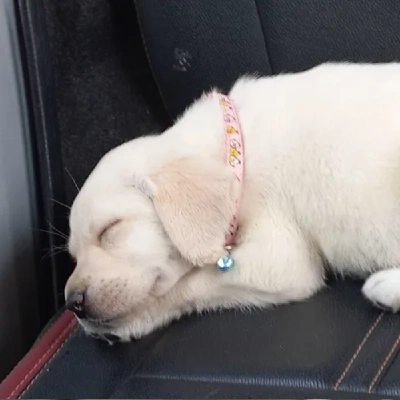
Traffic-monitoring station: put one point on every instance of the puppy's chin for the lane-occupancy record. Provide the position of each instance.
(100, 325)
(118, 330)
(122, 326)
(106, 329)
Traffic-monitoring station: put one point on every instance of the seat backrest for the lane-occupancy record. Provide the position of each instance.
(194, 45)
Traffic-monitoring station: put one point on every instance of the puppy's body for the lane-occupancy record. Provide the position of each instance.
(321, 188)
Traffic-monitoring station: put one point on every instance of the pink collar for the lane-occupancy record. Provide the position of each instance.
(234, 156)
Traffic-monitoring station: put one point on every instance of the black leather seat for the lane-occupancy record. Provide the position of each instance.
(333, 346)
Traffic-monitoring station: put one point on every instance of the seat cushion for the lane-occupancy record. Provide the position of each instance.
(332, 346)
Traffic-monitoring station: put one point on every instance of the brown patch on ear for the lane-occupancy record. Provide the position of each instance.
(195, 200)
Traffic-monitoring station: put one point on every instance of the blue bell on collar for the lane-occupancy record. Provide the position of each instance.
(225, 263)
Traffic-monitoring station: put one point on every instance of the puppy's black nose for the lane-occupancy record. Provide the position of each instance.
(76, 303)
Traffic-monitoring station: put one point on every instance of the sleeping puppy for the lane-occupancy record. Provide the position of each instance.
(321, 189)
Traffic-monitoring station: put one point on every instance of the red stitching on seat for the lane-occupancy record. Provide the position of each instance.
(358, 350)
(385, 361)
(43, 368)
(27, 376)
(38, 356)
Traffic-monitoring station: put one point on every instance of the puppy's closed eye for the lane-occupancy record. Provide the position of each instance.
(107, 228)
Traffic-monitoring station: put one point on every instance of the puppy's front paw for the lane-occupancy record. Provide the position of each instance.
(383, 289)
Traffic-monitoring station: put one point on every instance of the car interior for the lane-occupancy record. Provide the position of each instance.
(79, 77)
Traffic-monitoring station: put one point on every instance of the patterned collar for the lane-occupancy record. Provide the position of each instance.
(235, 159)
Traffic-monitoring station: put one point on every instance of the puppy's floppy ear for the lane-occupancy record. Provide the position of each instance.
(195, 201)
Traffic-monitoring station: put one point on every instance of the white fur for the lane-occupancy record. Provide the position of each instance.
(321, 189)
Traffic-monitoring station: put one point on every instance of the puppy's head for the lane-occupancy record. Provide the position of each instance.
(140, 223)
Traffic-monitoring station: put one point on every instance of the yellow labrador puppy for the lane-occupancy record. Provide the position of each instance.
(319, 188)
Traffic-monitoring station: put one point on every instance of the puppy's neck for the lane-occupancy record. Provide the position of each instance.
(199, 132)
